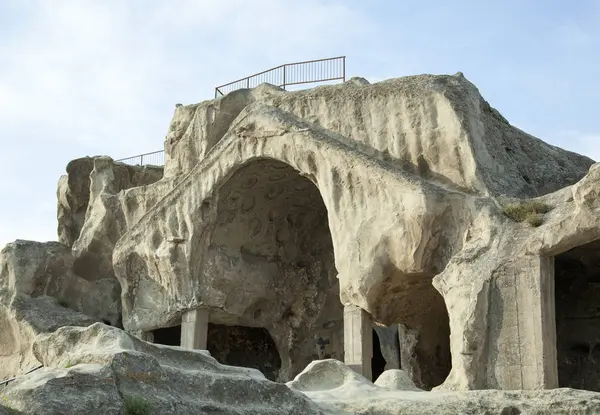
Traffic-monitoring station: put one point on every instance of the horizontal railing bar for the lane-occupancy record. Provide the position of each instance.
(310, 82)
(251, 76)
(281, 66)
(7, 381)
(141, 155)
(315, 60)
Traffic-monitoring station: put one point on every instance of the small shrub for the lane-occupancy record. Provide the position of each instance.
(530, 211)
(136, 406)
(534, 220)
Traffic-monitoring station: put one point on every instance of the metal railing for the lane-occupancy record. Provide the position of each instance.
(7, 381)
(156, 158)
(320, 70)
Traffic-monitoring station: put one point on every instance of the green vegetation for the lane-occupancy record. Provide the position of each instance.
(7, 406)
(530, 212)
(136, 406)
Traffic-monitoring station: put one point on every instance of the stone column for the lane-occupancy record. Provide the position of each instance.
(547, 328)
(194, 328)
(522, 328)
(358, 340)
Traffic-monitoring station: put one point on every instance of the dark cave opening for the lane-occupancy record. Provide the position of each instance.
(244, 346)
(169, 336)
(424, 341)
(577, 305)
(377, 361)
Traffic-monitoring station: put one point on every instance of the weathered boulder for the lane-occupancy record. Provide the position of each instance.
(39, 293)
(396, 379)
(337, 388)
(103, 370)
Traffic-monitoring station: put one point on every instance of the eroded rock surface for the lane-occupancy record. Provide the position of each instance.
(277, 209)
(39, 293)
(336, 388)
(110, 209)
(438, 127)
(103, 370)
(285, 199)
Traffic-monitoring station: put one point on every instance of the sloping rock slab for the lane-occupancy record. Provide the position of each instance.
(103, 370)
(331, 384)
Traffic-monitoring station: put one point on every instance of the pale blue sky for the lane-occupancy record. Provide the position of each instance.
(88, 77)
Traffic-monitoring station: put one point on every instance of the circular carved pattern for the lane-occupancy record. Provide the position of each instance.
(255, 226)
(302, 185)
(282, 235)
(297, 219)
(274, 192)
(274, 214)
(227, 216)
(280, 166)
(248, 204)
(249, 182)
(233, 200)
(330, 324)
(275, 177)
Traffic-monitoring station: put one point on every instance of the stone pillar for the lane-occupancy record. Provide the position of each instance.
(358, 340)
(408, 340)
(547, 329)
(522, 327)
(194, 328)
(389, 344)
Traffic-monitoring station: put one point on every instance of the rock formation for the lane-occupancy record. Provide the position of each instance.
(404, 228)
(103, 370)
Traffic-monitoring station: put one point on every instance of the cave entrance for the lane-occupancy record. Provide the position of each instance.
(244, 346)
(169, 336)
(270, 258)
(577, 305)
(378, 362)
(419, 310)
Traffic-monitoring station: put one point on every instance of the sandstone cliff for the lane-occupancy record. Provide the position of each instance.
(278, 209)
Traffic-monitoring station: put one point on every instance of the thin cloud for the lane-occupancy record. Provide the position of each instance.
(95, 77)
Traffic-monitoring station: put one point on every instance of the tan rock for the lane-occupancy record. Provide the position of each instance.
(109, 212)
(405, 172)
(408, 205)
(38, 294)
(103, 370)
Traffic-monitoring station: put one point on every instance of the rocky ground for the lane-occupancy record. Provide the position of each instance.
(103, 370)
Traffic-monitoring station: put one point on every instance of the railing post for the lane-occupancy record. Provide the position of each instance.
(248, 83)
(344, 68)
(142, 160)
(284, 76)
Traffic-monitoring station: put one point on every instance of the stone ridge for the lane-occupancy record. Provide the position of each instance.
(435, 126)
